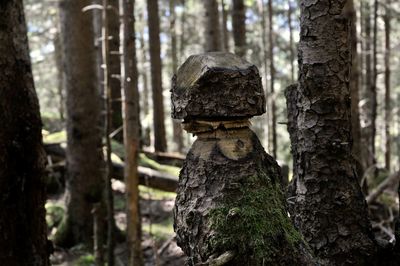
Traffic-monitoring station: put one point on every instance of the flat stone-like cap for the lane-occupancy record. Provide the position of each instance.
(217, 86)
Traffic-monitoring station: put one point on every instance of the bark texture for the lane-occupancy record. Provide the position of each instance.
(330, 209)
(239, 26)
(199, 83)
(129, 78)
(23, 239)
(85, 181)
(160, 142)
(212, 28)
(230, 207)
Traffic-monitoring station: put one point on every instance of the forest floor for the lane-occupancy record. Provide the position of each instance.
(158, 239)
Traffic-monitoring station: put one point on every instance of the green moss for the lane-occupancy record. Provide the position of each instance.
(257, 224)
(147, 162)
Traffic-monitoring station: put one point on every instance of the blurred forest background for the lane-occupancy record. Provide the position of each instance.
(266, 34)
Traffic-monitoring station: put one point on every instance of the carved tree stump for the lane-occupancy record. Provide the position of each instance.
(230, 208)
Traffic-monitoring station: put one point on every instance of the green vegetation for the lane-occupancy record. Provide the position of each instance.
(160, 231)
(54, 214)
(255, 224)
(86, 260)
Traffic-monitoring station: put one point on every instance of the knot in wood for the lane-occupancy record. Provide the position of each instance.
(217, 86)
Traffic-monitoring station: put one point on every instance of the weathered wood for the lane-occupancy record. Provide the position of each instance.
(217, 85)
(230, 206)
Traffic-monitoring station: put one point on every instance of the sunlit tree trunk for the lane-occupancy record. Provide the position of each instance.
(23, 237)
(329, 209)
(130, 95)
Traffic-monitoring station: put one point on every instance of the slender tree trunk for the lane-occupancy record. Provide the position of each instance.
(239, 27)
(182, 44)
(387, 19)
(130, 95)
(261, 10)
(114, 65)
(374, 100)
(160, 143)
(330, 209)
(225, 33)
(212, 29)
(369, 159)
(108, 127)
(272, 78)
(177, 129)
(291, 42)
(23, 239)
(351, 15)
(85, 183)
(60, 75)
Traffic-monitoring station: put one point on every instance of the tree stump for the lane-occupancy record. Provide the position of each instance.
(230, 208)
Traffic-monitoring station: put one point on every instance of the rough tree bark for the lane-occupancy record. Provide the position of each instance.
(23, 239)
(329, 209)
(212, 28)
(229, 208)
(160, 143)
(239, 27)
(85, 183)
(130, 94)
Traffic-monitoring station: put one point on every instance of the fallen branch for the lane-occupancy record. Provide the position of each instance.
(388, 182)
(147, 176)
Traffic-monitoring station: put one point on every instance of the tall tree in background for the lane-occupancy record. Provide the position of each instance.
(373, 88)
(239, 27)
(177, 129)
(212, 28)
(224, 28)
(291, 42)
(351, 15)
(387, 19)
(85, 183)
(23, 239)
(330, 209)
(272, 78)
(114, 64)
(160, 143)
(130, 103)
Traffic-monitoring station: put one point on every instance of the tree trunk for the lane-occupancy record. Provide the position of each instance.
(239, 27)
(177, 129)
(330, 209)
(129, 78)
(60, 75)
(261, 10)
(373, 89)
(160, 143)
(225, 32)
(272, 79)
(114, 65)
(369, 158)
(23, 239)
(351, 15)
(291, 42)
(387, 19)
(108, 127)
(85, 183)
(212, 29)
